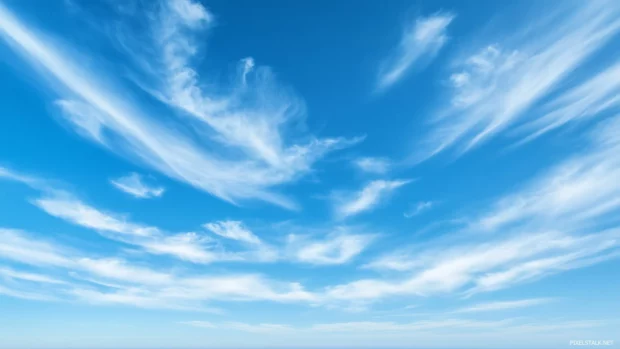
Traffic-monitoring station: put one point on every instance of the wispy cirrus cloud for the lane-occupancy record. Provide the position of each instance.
(69, 274)
(328, 246)
(419, 208)
(69, 208)
(26, 276)
(337, 247)
(373, 165)
(233, 230)
(17, 246)
(390, 328)
(240, 326)
(249, 120)
(351, 204)
(194, 247)
(481, 267)
(581, 191)
(501, 84)
(345, 327)
(598, 95)
(421, 40)
(134, 184)
(564, 219)
(504, 305)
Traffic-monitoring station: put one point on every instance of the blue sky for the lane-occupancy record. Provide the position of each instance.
(311, 174)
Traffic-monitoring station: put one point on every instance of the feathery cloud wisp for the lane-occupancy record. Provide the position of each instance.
(419, 208)
(373, 165)
(233, 230)
(420, 41)
(336, 248)
(504, 305)
(117, 281)
(570, 207)
(105, 114)
(492, 89)
(367, 198)
(133, 184)
(487, 266)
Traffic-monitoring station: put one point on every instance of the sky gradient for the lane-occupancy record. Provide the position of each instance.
(309, 174)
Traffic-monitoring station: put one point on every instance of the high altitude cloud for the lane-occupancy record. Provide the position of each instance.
(503, 305)
(367, 198)
(117, 281)
(419, 208)
(501, 85)
(580, 192)
(233, 137)
(390, 328)
(329, 246)
(339, 247)
(233, 230)
(559, 221)
(245, 154)
(191, 246)
(373, 165)
(134, 184)
(484, 266)
(421, 40)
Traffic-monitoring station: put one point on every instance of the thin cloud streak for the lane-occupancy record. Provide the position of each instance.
(338, 247)
(117, 281)
(233, 230)
(504, 305)
(98, 111)
(367, 198)
(390, 328)
(134, 184)
(492, 89)
(419, 208)
(373, 165)
(562, 220)
(420, 42)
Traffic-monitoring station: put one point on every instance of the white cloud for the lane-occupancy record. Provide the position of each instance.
(6, 291)
(233, 230)
(131, 297)
(493, 88)
(192, 13)
(107, 115)
(134, 184)
(420, 42)
(117, 281)
(239, 326)
(561, 220)
(73, 210)
(189, 247)
(16, 245)
(484, 266)
(420, 329)
(419, 208)
(11, 175)
(361, 326)
(116, 269)
(370, 196)
(356, 327)
(587, 100)
(373, 165)
(192, 247)
(336, 248)
(504, 305)
(579, 191)
(19, 275)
